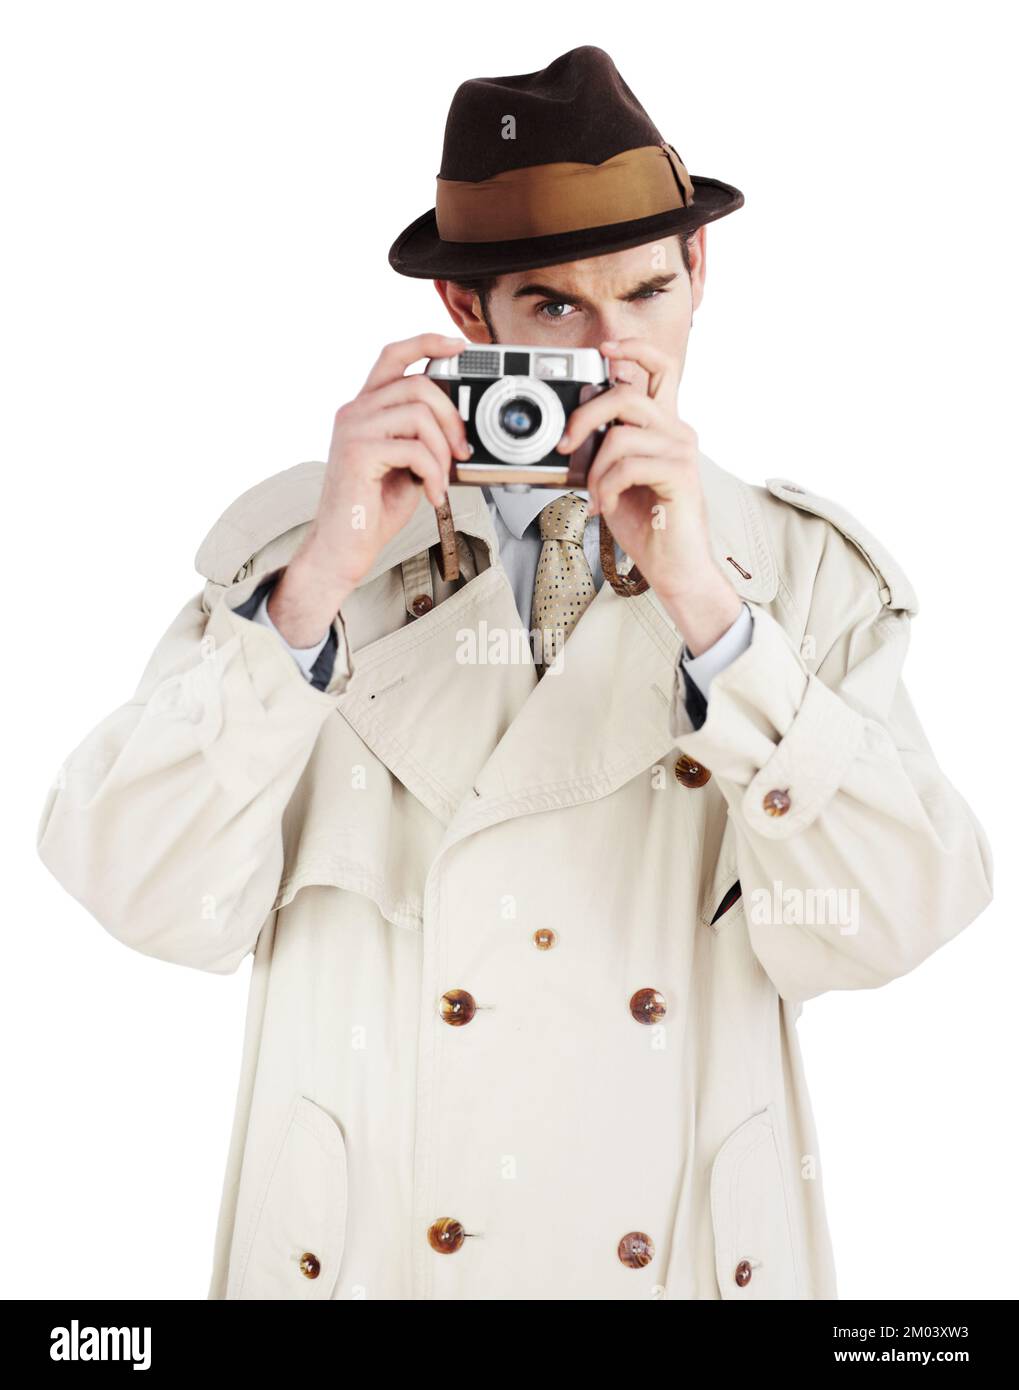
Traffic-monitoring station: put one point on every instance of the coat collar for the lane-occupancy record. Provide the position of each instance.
(735, 519)
(290, 499)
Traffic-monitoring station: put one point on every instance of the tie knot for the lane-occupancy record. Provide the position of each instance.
(564, 519)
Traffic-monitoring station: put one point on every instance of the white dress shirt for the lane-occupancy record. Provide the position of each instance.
(515, 519)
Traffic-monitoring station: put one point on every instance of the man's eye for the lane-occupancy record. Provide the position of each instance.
(550, 309)
(649, 294)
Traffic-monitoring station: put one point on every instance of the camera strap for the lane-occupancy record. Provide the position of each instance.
(627, 585)
(447, 539)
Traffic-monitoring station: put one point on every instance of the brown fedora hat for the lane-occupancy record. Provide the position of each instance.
(552, 166)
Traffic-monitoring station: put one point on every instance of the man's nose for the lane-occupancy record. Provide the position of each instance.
(605, 325)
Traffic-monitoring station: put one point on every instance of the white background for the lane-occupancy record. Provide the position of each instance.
(199, 204)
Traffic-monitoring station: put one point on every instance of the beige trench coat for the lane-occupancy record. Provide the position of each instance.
(622, 1114)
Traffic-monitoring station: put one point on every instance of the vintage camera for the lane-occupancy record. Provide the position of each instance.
(515, 402)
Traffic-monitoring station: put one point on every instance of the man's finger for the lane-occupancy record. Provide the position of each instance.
(623, 403)
(384, 455)
(395, 358)
(418, 387)
(662, 370)
(626, 472)
(626, 441)
(414, 420)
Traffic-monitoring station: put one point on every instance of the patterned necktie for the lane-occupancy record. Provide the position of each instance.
(563, 582)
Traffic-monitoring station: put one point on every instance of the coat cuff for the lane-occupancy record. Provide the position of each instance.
(703, 669)
(779, 740)
(315, 663)
(273, 671)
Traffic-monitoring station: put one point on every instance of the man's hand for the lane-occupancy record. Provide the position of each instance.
(397, 434)
(645, 481)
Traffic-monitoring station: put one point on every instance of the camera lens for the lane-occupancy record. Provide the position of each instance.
(520, 418)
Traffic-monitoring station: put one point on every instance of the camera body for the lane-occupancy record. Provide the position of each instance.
(515, 402)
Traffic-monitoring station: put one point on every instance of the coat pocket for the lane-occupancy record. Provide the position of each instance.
(296, 1233)
(722, 898)
(731, 896)
(754, 1252)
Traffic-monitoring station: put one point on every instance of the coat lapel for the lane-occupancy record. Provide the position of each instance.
(430, 716)
(452, 705)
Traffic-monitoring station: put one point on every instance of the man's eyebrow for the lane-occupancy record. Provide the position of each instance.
(547, 292)
(654, 282)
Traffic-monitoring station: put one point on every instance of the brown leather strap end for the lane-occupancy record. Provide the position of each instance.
(627, 585)
(447, 539)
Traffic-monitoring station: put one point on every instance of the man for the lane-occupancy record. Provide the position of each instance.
(529, 947)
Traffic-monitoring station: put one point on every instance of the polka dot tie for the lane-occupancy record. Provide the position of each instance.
(563, 582)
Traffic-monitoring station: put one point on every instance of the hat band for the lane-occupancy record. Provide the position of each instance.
(545, 199)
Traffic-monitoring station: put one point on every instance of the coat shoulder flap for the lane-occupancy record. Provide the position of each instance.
(896, 589)
(256, 518)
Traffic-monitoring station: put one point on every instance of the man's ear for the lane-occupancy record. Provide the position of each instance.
(464, 308)
(698, 266)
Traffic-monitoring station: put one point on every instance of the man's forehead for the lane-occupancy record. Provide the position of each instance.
(620, 270)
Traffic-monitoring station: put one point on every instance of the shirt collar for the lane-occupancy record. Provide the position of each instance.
(519, 509)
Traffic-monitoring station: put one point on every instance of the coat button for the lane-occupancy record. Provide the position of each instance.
(743, 1273)
(777, 802)
(446, 1235)
(544, 938)
(310, 1266)
(457, 1007)
(421, 604)
(647, 1006)
(636, 1250)
(691, 774)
